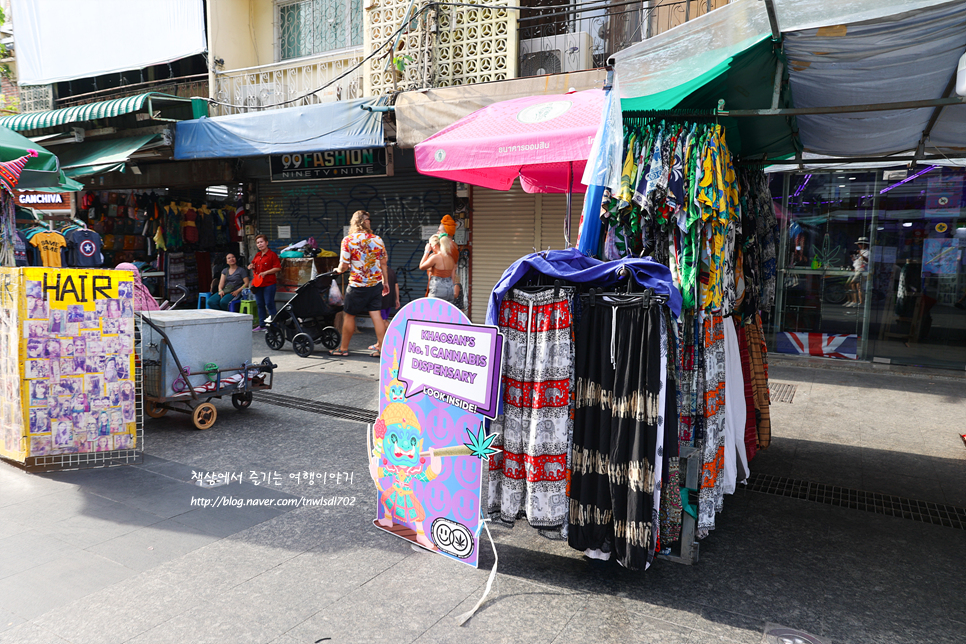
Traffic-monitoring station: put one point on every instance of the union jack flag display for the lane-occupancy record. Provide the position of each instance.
(825, 345)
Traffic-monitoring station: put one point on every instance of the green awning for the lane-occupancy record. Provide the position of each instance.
(745, 80)
(97, 157)
(92, 111)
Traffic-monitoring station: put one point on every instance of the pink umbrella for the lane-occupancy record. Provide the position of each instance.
(544, 140)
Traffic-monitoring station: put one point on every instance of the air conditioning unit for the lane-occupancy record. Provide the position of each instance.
(263, 94)
(556, 54)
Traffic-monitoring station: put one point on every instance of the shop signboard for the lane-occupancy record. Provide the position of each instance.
(332, 164)
(67, 364)
(439, 379)
(944, 196)
(47, 201)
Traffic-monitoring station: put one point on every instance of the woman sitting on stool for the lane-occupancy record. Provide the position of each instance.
(234, 280)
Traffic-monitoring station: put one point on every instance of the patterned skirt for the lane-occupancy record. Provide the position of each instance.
(617, 401)
(529, 477)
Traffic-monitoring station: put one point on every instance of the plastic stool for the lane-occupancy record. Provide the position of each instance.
(203, 300)
(248, 306)
(233, 306)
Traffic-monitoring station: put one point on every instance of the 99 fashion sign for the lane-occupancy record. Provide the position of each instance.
(332, 164)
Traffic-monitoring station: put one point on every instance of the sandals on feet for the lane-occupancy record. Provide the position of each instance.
(374, 354)
(338, 352)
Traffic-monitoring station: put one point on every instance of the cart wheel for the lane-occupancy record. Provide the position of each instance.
(204, 415)
(153, 409)
(275, 338)
(242, 401)
(303, 345)
(331, 338)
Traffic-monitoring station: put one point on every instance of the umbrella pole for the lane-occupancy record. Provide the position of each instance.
(570, 196)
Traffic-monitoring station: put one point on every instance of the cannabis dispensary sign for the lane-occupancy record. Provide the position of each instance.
(333, 164)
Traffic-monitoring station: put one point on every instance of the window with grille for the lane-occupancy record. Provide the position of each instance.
(309, 27)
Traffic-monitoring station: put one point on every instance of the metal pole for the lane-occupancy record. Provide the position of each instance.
(778, 319)
(863, 348)
(570, 195)
(848, 109)
(776, 33)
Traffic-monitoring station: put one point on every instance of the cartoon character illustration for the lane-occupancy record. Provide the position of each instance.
(399, 442)
(395, 390)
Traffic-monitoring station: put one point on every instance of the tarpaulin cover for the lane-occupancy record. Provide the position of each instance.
(843, 53)
(342, 125)
(60, 40)
(96, 157)
(907, 57)
(541, 139)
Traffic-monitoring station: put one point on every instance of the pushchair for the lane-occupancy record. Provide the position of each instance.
(306, 319)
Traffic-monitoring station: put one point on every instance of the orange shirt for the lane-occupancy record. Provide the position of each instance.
(49, 244)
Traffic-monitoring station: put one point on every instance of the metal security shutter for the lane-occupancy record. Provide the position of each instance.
(399, 205)
(553, 212)
(503, 232)
(509, 225)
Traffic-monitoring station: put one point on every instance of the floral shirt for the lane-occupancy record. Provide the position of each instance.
(363, 252)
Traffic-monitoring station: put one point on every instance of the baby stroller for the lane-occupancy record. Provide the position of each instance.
(306, 319)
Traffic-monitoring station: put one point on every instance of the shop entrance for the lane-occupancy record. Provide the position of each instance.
(872, 265)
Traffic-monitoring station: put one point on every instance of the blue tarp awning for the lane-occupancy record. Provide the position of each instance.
(342, 125)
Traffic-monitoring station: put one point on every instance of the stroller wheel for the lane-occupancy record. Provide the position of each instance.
(331, 338)
(275, 338)
(303, 345)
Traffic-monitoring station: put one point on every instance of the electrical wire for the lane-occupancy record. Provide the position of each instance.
(336, 79)
(594, 3)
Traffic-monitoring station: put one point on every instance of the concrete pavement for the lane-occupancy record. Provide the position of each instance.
(132, 555)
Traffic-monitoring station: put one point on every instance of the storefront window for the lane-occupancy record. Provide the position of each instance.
(873, 265)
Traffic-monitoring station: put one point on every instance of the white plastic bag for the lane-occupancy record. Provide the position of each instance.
(335, 295)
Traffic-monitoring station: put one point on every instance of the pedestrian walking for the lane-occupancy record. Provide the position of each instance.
(364, 254)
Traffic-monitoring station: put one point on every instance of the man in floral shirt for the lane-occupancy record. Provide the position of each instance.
(365, 255)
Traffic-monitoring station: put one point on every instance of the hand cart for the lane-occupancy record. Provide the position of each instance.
(196, 399)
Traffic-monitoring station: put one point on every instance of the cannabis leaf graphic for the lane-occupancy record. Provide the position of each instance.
(479, 444)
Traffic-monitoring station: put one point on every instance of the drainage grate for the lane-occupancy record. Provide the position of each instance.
(327, 409)
(896, 506)
(781, 392)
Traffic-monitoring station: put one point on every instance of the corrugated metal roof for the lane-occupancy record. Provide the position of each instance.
(78, 113)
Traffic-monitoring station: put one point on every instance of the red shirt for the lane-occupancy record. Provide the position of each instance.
(264, 261)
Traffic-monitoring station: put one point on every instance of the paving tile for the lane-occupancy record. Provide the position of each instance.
(371, 613)
(223, 564)
(51, 508)
(222, 522)
(29, 633)
(9, 620)
(59, 581)
(99, 524)
(19, 486)
(606, 620)
(507, 615)
(150, 546)
(28, 549)
(102, 618)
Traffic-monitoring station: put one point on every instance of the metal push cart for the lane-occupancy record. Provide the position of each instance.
(196, 399)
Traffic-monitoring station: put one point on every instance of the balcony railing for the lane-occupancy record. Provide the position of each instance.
(278, 84)
(556, 39)
(183, 86)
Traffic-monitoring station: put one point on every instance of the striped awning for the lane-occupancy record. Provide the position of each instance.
(81, 113)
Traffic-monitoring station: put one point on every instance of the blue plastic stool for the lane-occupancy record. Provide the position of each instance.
(203, 300)
(234, 305)
(248, 306)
